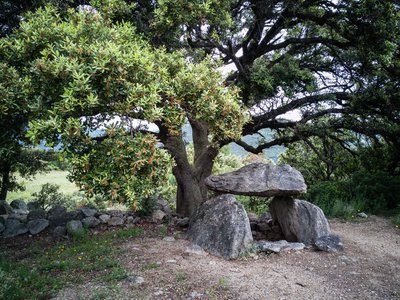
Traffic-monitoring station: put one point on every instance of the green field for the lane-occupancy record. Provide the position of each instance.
(32, 186)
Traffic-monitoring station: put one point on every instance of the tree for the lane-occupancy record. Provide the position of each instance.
(90, 82)
(320, 58)
(14, 116)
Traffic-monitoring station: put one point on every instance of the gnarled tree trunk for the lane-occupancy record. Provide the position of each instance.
(191, 189)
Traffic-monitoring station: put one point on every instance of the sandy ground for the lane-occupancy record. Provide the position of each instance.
(368, 268)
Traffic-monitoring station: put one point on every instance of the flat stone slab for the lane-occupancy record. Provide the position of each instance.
(278, 246)
(259, 180)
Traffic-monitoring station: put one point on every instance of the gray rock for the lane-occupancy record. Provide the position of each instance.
(2, 227)
(184, 222)
(299, 220)
(169, 239)
(60, 231)
(19, 204)
(22, 217)
(133, 279)
(158, 215)
(329, 243)
(5, 208)
(14, 228)
(194, 295)
(3, 218)
(37, 214)
(252, 217)
(104, 218)
(265, 216)
(38, 225)
(362, 215)
(221, 226)
(269, 246)
(88, 212)
(116, 213)
(33, 205)
(259, 180)
(74, 227)
(90, 222)
(115, 221)
(195, 249)
(164, 206)
(58, 216)
(296, 246)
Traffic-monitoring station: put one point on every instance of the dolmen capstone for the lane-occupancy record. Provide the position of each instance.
(300, 221)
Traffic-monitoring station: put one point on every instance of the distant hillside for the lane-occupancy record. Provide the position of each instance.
(271, 153)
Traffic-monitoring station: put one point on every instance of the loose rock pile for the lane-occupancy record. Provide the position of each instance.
(291, 220)
(20, 218)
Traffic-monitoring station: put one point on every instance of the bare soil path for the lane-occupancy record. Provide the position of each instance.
(368, 268)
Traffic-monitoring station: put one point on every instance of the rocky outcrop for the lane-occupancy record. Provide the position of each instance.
(221, 226)
(299, 220)
(259, 180)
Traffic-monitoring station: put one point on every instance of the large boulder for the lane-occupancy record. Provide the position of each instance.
(300, 221)
(37, 225)
(19, 204)
(221, 226)
(14, 227)
(260, 180)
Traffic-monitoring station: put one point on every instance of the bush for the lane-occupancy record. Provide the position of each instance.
(49, 196)
(373, 193)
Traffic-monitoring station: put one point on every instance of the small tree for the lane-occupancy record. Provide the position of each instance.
(91, 82)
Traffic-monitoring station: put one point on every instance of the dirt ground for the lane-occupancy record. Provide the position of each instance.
(368, 268)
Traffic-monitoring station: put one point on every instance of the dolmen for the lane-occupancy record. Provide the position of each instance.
(221, 225)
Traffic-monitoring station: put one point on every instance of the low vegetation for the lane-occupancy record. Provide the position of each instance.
(42, 268)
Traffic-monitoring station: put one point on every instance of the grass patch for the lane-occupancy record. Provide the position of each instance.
(180, 276)
(34, 186)
(129, 232)
(150, 266)
(44, 270)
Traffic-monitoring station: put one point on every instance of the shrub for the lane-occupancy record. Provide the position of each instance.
(374, 193)
(49, 196)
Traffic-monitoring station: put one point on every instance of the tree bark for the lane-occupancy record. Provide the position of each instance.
(5, 182)
(190, 176)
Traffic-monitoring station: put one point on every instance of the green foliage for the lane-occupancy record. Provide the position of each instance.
(396, 220)
(374, 193)
(99, 71)
(320, 159)
(254, 204)
(49, 196)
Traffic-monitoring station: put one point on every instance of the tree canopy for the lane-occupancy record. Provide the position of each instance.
(90, 82)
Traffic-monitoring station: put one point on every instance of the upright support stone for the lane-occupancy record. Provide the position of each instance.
(221, 226)
(299, 220)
